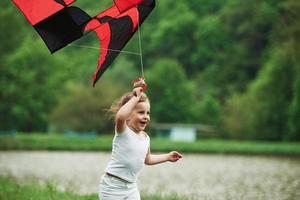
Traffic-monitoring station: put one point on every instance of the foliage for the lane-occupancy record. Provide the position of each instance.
(232, 63)
(169, 30)
(171, 94)
(266, 96)
(294, 109)
(269, 107)
(28, 90)
(291, 37)
(82, 108)
(10, 35)
(208, 110)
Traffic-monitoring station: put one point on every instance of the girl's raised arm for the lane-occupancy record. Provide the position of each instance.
(125, 111)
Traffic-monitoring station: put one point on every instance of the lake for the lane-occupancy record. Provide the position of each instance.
(197, 176)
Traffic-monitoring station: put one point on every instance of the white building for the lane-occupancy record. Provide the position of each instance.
(180, 132)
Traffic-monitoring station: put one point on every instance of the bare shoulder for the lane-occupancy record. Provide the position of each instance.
(120, 126)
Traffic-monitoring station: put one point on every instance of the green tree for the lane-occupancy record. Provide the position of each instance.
(208, 110)
(294, 109)
(83, 108)
(11, 34)
(203, 7)
(170, 92)
(28, 86)
(239, 43)
(266, 102)
(173, 33)
(290, 36)
(237, 117)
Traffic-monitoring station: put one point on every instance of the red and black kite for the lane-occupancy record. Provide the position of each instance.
(59, 24)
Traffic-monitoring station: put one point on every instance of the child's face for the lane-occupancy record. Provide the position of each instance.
(139, 117)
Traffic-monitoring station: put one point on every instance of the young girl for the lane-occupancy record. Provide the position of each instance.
(131, 148)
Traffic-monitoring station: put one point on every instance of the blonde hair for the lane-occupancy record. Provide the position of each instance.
(115, 107)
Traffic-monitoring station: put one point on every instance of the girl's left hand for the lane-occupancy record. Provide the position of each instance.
(173, 156)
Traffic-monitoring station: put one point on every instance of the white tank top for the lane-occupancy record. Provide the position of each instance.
(128, 154)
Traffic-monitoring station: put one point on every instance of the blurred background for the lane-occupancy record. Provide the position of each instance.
(223, 77)
(230, 64)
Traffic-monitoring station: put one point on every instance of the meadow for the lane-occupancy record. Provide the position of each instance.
(31, 190)
(38, 141)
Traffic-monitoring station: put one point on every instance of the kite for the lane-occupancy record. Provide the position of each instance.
(59, 24)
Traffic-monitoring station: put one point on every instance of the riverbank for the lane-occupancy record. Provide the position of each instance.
(56, 142)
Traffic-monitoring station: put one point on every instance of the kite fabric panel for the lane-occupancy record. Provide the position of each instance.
(38, 10)
(124, 5)
(57, 24)
(62, 28)
(114, 30)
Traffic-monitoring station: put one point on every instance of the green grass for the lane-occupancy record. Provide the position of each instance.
(35, 141)
(10, 189)
(31, 190)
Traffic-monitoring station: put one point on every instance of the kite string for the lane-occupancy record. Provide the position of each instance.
(140, 44)
(97, 48)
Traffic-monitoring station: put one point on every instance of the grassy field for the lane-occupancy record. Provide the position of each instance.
(10, 189)
(37, 141)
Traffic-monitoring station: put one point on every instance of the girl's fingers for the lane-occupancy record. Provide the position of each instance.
(175, 156)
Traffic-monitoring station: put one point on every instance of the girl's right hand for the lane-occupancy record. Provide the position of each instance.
(140, 82)
(137, 91)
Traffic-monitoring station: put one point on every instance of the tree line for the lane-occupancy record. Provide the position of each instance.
(232, 64)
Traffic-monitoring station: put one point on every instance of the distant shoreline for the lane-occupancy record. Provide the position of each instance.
(60, 142)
